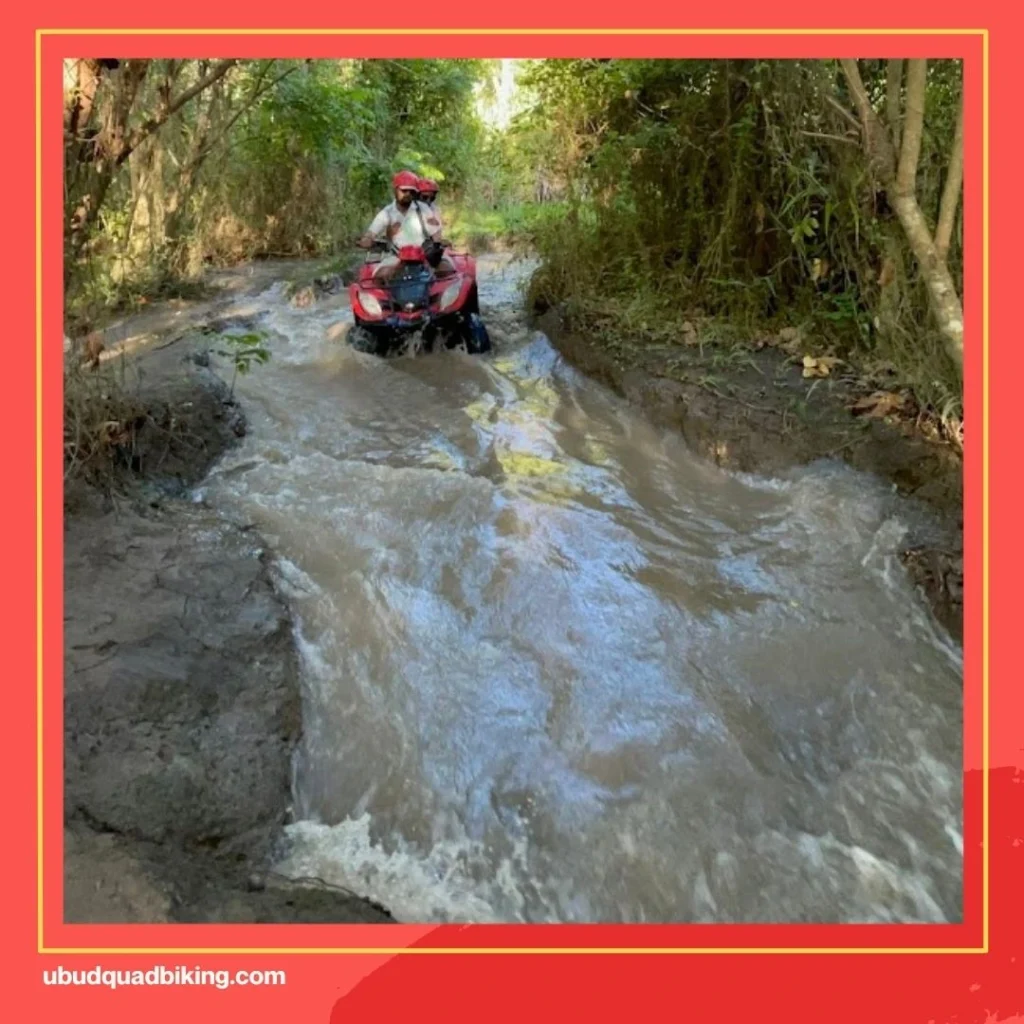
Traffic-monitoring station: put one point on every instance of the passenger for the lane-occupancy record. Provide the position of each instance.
(428, 189)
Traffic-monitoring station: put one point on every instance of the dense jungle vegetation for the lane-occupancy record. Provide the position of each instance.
(746, 197)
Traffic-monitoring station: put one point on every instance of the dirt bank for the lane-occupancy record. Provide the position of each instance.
(752, 409)
(182, 695)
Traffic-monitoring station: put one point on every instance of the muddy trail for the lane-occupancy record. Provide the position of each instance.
(555, 665)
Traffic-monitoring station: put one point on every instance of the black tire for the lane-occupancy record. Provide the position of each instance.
(473, 302)
(363, 340)
(475, 334)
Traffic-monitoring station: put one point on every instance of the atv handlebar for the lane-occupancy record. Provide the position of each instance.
(386, 245)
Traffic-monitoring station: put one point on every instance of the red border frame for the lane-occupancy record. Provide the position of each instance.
(938, 981)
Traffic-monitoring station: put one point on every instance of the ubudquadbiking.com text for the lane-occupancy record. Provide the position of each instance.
(114, 979)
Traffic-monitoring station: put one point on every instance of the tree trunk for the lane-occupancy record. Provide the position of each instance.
(945, 302)
(157, 204)
(913, 128)
(893, 93)
(900, 183)
(82, 78)
(138, 230)
(92, 163)
(95, 157)
(951, 189)
(177, 200)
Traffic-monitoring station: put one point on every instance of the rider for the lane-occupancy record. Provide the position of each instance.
(402, 222)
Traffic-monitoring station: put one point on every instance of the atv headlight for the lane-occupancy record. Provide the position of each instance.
(370, 303)
(451, 293)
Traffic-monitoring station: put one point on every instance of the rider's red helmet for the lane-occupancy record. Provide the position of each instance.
(428, 185)
(405, 179)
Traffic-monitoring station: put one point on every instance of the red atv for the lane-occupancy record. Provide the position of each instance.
(440, 303)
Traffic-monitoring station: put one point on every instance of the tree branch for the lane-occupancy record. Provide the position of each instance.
(857, 91)
(913, 127)
(834, 138)
(220, 69)
(877, 141)
(951, 189)
(842, 110)
(893, 92)
(246, 105)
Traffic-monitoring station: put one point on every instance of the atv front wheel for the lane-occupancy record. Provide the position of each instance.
(363, 340)
(474, 332)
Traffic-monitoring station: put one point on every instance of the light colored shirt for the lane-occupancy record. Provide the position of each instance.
(432, 218)
(411, 226)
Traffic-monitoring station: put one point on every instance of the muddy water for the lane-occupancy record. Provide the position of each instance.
(557, 668)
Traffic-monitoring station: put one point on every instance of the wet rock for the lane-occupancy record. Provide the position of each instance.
(939, 574)
(232, 323)
(323, 286)
(331, 284)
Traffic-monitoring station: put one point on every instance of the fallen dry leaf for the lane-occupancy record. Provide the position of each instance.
(789, 340)
(879, 404)
(819, 366)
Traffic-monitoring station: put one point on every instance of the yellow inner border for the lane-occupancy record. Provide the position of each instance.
(370, 950)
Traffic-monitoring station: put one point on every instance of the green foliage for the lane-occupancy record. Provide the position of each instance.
(731, 189)
(278, 157)
(244, 351)
(653, 191)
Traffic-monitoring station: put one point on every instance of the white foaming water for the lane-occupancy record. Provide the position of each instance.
(456, 881)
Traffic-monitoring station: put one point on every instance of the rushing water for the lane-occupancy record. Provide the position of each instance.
(557, 668)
